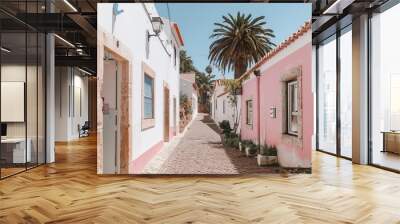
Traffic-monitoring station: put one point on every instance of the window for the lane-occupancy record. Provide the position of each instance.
(345, 94)
(385, 89)
(327, 95)
(249, 112)
(148, 97)
(292, 107)
(223, 106)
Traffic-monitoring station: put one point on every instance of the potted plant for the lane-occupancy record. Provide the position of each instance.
(267, 155)
(251, 149)
(243, 144)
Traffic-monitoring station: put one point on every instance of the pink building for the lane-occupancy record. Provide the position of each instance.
(282, 82)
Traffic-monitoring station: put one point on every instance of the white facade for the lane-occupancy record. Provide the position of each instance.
(222, 108)
(131, 28)
(188, 88)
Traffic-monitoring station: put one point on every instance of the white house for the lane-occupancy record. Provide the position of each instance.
(138, 85)
(188, 87)
(222, 107)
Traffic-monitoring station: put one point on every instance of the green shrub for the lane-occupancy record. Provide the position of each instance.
(268, 150)
(231, 135)
(253, 148)
(225, 126)
(246, 143)
(235, 142)
(231, 140)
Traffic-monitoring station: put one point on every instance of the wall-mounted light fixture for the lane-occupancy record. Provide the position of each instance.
(70, 5)
(85, 72)
(64, 40)
(5, 50)
(257, 72)
(157, 24)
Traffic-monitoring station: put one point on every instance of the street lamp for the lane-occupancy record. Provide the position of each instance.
(157, 24)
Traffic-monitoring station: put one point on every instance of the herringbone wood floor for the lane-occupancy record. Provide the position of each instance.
(69, 191)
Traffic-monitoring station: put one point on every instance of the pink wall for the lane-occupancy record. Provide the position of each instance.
(271, 130)
(249, 92)
(136, 166)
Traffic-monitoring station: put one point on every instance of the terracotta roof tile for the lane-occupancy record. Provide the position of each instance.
(303, 29)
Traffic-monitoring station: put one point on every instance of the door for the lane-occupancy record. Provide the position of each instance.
(174, 125)
(166, 114)
(110, 117)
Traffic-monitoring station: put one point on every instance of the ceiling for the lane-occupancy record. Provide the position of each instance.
(328, 16)
(75, 22)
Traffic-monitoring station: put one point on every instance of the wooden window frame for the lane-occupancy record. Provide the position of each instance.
(148, 123)
(291, 86)
(248, 121)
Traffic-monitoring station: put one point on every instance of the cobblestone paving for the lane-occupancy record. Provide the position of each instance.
(200, 152)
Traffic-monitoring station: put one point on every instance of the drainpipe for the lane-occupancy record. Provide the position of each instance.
(257, 73)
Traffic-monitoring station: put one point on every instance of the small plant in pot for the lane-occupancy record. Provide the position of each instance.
(243, 144)
(251, 149)
(268, 155)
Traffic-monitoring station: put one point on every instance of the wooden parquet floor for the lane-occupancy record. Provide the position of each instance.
(69, 191)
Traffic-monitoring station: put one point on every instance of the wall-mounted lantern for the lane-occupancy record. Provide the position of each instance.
(157, 24)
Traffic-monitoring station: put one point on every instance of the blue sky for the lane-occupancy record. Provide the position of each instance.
(196, 21)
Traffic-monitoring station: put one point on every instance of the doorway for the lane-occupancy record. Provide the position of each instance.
(166, 114)
(111, 93)
(174, 119)
(114, 103)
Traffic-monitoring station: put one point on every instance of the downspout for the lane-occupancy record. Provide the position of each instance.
(257, 73)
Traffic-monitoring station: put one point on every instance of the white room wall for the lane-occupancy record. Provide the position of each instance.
(130, 29)
(66, 122)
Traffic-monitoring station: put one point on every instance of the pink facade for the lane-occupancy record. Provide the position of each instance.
(292, 63)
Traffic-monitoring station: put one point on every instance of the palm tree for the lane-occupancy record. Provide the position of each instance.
(204, 82)
(186, 63)
(209, 69)
(240, 42)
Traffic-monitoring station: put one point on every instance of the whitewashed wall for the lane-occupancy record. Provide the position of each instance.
(130, 29)
(218, 114)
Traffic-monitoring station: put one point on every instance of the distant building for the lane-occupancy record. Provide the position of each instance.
(221, 106)
(188, 88)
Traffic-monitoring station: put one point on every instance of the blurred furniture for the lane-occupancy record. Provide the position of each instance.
(84, 130)
(391, 141)
(13, 150)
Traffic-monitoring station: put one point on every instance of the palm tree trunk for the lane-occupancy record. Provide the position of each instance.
(240, 69)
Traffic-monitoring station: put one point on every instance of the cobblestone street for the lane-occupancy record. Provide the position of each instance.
(200, 152)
